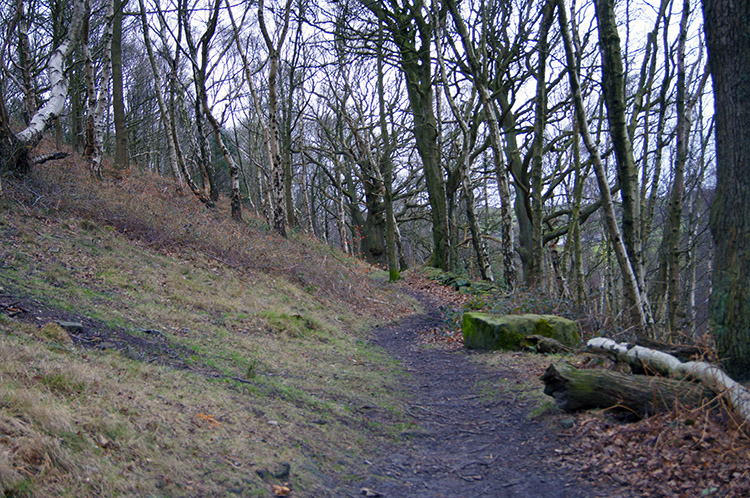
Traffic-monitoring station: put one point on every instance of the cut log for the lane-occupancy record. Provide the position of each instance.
(576, 389)
(711, 376)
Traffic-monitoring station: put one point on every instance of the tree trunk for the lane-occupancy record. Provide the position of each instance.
(463, 170)
(118, 103)
(536, 269)
(341, 218)
(410, 30)
(58, 90)
(386, 167)
(575, 389)
(235, 198)
(174, 96)
(276, 166)
(727, 25)
(477, 241)
(674, 219)
(638, 306)
(15, 147)
(522, 204)
(613, 87)
(160, 97)
(103, 96)
(24, 62)
(656, 361)
(88, 74)
(509, 267)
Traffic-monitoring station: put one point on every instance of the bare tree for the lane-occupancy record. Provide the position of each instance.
(412, 33)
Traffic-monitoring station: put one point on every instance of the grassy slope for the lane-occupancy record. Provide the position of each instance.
(267, 336)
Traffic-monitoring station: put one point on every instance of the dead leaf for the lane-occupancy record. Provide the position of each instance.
(281, 490)
(210, 419)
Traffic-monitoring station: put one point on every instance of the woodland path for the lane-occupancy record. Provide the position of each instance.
(467, 445)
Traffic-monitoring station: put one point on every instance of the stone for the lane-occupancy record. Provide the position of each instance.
(506, 332)
(567, 423)
(72, 327)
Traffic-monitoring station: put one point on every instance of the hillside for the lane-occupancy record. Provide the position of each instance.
(211, 354)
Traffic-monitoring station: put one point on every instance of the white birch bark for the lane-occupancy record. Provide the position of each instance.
(58, 91)
(346, 248)
(160, 97)
(102, 100)
(277, 172)
(637, 303)
(491, 117)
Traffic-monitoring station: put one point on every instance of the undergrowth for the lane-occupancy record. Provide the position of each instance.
(216, 351)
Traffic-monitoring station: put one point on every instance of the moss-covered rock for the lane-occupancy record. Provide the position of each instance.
(459, 282)
(488, 331)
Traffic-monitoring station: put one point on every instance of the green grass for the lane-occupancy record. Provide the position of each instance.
(518, 375)
(260, 346)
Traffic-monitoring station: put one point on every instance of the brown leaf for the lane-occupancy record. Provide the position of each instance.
(279, 490)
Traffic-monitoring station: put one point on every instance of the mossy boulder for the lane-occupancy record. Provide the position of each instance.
(489, 331)
(459, 282)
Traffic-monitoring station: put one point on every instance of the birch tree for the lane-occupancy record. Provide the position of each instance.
(475, 66)
(15, 147)
(613, 87)
(98, 98)
(637, 306)
(274, 44)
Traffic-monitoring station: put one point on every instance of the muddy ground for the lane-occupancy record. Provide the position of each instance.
(467, 443)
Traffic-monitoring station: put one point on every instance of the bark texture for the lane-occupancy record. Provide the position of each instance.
(413, 35)
(727, 25)
(118, 100)
(58, 83)
(575, 389)
(613, 87)
(636, 302)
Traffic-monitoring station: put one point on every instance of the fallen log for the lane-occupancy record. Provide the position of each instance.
(711, 376)
(578, 389)
(682, 352)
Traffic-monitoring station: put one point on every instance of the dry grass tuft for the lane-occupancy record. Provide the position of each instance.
(56, 333)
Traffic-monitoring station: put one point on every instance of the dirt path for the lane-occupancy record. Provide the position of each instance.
(466, 445)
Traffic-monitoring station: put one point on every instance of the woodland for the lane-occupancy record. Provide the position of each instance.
(589, 157)
(568, 148)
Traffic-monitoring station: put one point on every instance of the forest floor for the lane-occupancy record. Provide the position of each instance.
(484, 428)
(475, 433)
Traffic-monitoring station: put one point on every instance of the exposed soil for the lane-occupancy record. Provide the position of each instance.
(146, 345)
(468, 443)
